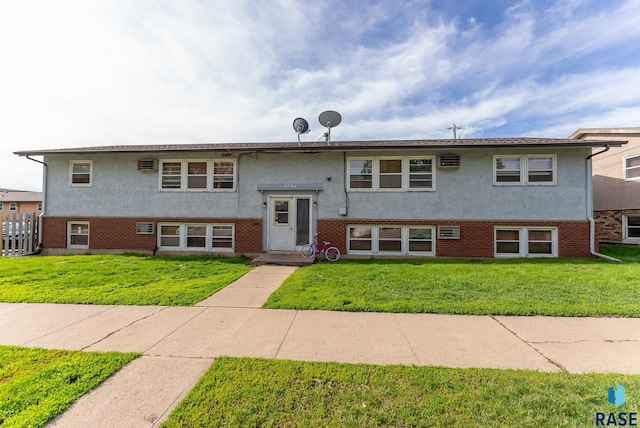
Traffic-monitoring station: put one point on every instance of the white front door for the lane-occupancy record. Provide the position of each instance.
(289, 222)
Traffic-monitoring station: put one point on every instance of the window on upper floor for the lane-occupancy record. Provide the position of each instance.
(80, 173)
(200, 175)
(631, 165)
(391, 173)
(521, 170)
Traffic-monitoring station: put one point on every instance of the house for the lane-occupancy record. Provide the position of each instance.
(19, 202)
(499, 197)
(616, 184)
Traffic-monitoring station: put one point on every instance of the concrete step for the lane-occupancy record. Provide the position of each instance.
(282, 259)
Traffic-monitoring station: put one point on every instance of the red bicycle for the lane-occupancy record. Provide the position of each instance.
(331, 253)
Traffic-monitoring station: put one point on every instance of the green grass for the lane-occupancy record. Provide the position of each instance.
(246, 392)
(37, 384)
(116, 279)
(560, 287)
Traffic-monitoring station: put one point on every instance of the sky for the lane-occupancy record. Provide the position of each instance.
(79, 73)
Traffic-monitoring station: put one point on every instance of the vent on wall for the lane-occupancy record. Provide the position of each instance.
(449, 161)
(147, 165)
(449, 232)
(145, 228)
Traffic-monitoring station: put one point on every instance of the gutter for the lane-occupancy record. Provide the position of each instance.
(44, 203)
(592, 222)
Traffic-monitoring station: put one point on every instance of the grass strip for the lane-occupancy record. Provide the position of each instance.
(38, 384)
(247, 392)
(558, 287)
(117, 279)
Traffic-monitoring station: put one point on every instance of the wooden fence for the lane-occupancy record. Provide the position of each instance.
(19, 234)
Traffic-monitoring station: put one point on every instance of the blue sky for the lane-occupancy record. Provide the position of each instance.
(92, 72)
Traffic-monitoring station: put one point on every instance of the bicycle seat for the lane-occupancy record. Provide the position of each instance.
(326, 242)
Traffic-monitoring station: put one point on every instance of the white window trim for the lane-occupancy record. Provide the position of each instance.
(182, 228)
(404, 230)
(625, 229)
(13, 206)
(624, 168)
(1, 206)
(524, 241)
(71, 183)
(524, 170)
(184, 163)
(69, 245)
(405, 178)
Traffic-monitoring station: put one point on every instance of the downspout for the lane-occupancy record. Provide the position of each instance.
(592, 222)
(44, 203)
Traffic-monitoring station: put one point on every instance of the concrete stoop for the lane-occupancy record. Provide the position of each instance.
(282, 259)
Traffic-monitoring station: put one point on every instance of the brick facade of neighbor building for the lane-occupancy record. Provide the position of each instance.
(510, 197)
(616, 183)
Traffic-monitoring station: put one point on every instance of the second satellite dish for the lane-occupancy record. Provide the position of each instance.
(330, 118)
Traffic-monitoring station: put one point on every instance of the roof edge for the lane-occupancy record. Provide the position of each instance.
(582, 133)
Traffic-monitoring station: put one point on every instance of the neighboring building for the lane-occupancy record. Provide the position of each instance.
(616, 183)
(506, 197)
(19, 202)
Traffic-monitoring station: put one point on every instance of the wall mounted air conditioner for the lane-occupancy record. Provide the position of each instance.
(449, 161)
(147, 165)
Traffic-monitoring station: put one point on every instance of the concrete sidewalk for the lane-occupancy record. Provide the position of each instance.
(178, 344)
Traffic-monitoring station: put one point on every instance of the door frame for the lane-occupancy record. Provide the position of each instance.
(268, 218)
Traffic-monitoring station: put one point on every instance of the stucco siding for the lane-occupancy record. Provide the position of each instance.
(120, 190)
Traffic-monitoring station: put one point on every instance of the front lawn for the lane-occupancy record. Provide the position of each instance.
(38, 384)
(116, 279)
(562, 287)
(254, 392)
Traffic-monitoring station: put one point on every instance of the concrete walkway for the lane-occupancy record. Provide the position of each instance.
(178, 344)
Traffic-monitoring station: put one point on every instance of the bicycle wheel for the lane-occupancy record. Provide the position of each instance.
(332, 254)
(308, 251)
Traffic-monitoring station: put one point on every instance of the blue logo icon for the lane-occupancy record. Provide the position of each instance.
(616, 395)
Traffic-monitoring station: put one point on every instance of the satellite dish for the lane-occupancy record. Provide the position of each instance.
(330, 118)
(301, 126)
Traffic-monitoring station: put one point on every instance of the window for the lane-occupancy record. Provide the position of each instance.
(631, 165)
(200, 175)
(631, 225)
(524, 170)
(361, 173)
(38, 207)
(202, 237)
(391, 173)
(1, 206)
(169, 236)
(416, 240)
(171, 175)
(78, 234)
(223, 174)
(526, 242)
(196, 175)
(13, 206)
(80, 173)
(222, 237)
(421, 173)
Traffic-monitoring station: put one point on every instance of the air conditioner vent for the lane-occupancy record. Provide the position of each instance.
(145, 228)
(449, 232)
(449, 161)
(147, 165)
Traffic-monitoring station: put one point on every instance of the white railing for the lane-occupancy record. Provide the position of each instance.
(19, 234)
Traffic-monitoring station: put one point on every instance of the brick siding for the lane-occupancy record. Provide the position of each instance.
(476, 237)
